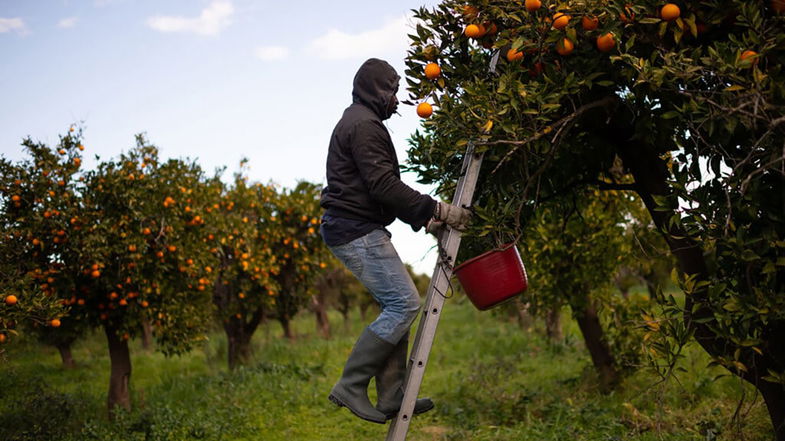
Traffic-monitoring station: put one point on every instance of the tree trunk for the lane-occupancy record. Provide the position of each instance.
(525, 320)
(238, 341)
(147, 335)
(238, 336)
(66, 356)
(364, 310)
(593, 336)
(322, 320)
(774, 396)
(120, 377)
(346, 321)
(287, 329)
(553, 328)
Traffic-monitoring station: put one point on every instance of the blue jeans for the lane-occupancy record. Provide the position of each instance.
(373, 260)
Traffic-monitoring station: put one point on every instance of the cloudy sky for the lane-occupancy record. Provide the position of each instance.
(212, 80)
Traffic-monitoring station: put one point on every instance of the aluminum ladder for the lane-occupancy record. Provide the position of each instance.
(449, 241)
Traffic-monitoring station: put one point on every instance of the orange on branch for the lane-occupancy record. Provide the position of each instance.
(432, 71)
(748, 58)
(561, 20)
(606, 42)
(424, 110)
(55, 323)
(514, 55)
(11, 300)
(670, 12)
(589, 23)
(565, 47)
(472, 31)
(533, 5)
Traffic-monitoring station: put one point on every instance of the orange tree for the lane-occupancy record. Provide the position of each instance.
(37, 220)
(142, 256)
(689, 97)
(299, 250)
(241, 239)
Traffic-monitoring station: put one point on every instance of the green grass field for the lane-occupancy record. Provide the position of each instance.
(490, 381)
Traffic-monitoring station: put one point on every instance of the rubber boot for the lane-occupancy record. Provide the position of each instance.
(389, 383)
(367, 358)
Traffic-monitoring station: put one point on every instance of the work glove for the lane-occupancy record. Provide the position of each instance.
(453, 215)
(434, 227)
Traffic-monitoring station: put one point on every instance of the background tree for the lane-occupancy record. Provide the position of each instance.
(241, 238)
(689, 97)
(298, 248)
(141, 254)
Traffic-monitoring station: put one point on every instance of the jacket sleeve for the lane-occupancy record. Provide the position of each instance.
(371, 150)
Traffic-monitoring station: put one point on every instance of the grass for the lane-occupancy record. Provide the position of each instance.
(490, 381)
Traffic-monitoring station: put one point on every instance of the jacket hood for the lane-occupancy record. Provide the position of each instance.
(374, 84)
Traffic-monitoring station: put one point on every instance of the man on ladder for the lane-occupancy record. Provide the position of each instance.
(364, 194)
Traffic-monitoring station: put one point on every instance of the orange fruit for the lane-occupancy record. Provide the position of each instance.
(432, 71)
(123, 302)
(589, 22)
(2, 338)
(778, 6)
(532, 5)
(424, 110)
(490, 28)
(55, 323)
(748, 58)
(561, 20)
(10, 300)
(132, 248)
(146, 231)
(36, 242)
(606, 42)
(670, 12)
(145, 304)
(472, 31)
(16, 198)
(565, 47)
(470, 11)
(95, 274)
(172, 248)
(514, 55)
(627, 16)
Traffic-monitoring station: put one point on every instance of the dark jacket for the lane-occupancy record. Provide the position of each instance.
(363, 176)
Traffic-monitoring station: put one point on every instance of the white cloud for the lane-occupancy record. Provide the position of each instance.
(212, 20)
(339, 45)
(68, 22)
(271, 53)
(12, 24)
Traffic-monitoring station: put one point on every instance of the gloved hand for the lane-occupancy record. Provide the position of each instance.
(453, 215)
(434, 227)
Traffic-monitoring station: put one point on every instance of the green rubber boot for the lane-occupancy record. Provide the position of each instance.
(368, 356)
(389, 383)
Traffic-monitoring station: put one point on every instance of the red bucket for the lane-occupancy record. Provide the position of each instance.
(493, 277)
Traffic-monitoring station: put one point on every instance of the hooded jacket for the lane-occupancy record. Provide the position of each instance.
(363, 176)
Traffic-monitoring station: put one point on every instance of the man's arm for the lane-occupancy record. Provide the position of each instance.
(370, 149)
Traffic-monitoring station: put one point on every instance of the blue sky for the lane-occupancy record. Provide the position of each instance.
(212, 80)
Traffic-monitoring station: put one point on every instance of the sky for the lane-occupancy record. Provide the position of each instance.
(210, 80)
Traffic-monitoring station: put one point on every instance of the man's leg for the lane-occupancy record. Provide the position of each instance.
(374, 261)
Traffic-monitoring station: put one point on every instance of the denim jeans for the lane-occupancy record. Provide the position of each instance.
(373, 260)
